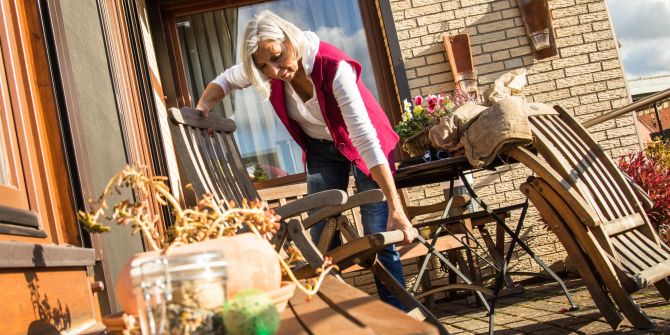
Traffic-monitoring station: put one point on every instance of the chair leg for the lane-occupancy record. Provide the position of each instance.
(663, 287)
(637, 317)
(381, 273)
(556, 224)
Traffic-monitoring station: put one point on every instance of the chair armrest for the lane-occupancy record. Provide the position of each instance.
(641, 194)
(356, 200)
(312, 201)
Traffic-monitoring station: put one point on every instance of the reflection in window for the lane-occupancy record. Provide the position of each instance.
(209, 43)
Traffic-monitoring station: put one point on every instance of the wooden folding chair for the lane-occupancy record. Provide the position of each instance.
(596, 215)
(211, 161)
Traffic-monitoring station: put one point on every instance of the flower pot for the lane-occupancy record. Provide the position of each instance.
(251, 263)
(417, 145)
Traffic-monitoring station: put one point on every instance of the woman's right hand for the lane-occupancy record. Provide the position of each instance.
(203, 109)
(212, 95)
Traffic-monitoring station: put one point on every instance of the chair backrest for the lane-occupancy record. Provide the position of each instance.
(209, 156)
(569, 149)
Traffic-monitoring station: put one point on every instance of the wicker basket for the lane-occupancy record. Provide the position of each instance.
(417, 145)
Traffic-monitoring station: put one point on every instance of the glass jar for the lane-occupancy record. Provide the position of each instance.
(181, 294)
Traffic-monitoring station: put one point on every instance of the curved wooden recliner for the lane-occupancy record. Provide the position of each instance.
(593, 210)
(210, 159)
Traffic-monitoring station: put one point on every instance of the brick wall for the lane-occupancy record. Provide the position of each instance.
(586, 79)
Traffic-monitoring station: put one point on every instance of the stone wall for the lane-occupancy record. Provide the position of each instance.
(586, 79)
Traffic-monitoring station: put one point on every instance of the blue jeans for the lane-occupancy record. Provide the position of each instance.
(327, 169)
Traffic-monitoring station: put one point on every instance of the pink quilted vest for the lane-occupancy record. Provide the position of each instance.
(325, 67)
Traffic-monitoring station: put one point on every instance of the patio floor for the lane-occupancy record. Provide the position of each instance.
(538, 311)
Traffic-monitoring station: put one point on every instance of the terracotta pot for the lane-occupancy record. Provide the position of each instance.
(252, 263)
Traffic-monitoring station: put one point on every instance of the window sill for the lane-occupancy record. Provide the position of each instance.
(33, 255)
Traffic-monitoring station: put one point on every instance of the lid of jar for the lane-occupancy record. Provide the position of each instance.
(179, 267)
(198, 265)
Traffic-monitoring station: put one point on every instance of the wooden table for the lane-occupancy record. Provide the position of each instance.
(340, 308)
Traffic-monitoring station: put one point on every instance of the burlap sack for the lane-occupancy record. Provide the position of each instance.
(447, 134)
(495, 128)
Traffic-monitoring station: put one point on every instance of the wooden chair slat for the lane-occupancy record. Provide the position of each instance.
(555, 158)
(603, 175)
(203, 185)
(207, 159)
(614, 170)
(230, 182)
(577, 167)
(650, 250)
(623, 224)
(628, 255)
(641, 251)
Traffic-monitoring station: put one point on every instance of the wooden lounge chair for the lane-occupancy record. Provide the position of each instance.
(211, 161)
(596, 215)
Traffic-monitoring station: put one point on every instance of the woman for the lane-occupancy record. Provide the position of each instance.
(316, 92)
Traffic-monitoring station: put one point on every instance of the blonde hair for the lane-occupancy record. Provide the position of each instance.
(268, 26)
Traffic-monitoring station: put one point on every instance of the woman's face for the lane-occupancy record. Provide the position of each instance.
(275, 60)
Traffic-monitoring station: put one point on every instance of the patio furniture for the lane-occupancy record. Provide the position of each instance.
(209, 156)
(596, 215)
(455, 168)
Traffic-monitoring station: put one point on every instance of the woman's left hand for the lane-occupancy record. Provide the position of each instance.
(398, 220)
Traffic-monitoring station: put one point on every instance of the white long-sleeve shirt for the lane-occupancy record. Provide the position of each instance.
(308, 113)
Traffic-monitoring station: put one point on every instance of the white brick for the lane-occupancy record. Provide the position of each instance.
(569, 11)
(546, 76)
(569, 61)
(578, 50)
(423, 11)
(513, 63)
(495, 26)
(581, 69)
(588, 88)
(485, 38)
(603, 55)
(592, 17)
(574, 81)
(498, 55)
(495, 46)
(606, 75)
(438, 17)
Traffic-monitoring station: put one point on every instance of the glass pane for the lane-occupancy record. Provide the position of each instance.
(207, 49)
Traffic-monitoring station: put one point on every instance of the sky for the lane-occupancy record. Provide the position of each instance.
(643, 30)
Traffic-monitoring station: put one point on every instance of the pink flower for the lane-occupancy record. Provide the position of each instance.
(432, 103)
(418, 100)
(440, 100)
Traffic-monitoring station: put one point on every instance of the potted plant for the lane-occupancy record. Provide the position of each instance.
(211, 230)
(421, 115)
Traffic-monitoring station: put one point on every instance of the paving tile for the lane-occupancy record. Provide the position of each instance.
(542, 310)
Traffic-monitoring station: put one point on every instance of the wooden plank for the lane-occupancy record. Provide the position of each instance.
(417, 249)
(622, 224)
(373, 313)
(320, 317)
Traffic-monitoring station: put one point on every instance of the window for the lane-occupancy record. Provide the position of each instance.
(209, 42)
(12, 187)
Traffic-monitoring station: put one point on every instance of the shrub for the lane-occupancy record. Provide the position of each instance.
(651, 170)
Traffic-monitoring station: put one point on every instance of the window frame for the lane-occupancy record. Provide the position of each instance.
(379, 29)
